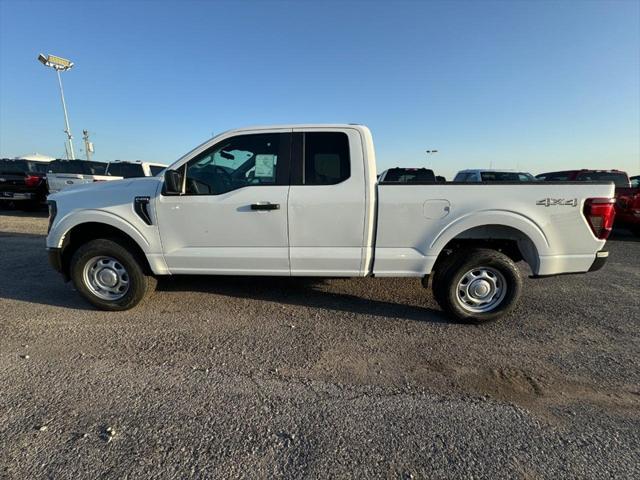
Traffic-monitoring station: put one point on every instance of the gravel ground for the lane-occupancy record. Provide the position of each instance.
(231, 377)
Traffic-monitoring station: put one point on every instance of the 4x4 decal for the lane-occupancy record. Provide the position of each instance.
(564, 202)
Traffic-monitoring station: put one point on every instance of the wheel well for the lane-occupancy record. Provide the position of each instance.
(85, 232)
(508, 240)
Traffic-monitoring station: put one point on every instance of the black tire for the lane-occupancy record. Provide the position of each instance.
(452, 271)
(139, 282)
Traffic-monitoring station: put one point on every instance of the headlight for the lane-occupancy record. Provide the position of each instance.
(53, 211)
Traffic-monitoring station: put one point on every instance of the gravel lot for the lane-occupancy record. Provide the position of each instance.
(241, 377)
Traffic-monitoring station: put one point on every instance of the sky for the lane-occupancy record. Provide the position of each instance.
(528, 85)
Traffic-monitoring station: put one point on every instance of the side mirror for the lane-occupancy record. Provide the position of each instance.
(172, 182)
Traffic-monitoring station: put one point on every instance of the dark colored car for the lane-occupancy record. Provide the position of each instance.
(23, 183)
(618, 177)
(407, 175)
(628, 207)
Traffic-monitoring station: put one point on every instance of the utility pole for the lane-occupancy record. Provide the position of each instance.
(60, 64)
(88, 146)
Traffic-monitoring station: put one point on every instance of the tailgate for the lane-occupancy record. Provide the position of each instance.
(60, 181)
(11, 182)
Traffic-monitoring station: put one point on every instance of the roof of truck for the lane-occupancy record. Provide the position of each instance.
(294, 126)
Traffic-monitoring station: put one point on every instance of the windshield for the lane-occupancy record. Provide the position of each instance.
(126, 170)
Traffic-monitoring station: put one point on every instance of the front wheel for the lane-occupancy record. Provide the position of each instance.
(109, 276)
(478, 285)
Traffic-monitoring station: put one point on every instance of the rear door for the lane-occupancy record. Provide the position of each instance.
(327, 203)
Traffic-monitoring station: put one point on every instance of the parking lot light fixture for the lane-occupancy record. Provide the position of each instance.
(60, 64)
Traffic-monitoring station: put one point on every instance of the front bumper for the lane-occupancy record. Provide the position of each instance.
(55, 259)
(598, 263)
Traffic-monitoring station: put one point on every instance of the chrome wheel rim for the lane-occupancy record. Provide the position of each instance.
(481, 290)
(106, 278)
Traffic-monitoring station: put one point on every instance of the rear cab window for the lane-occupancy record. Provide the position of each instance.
(80, 167)
(499, 177)
(126, 170)
(409, 175)
(8, 166)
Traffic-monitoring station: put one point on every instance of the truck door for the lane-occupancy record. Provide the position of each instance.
(327, 204)
(232, 217)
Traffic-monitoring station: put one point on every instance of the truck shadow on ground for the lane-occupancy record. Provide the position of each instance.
(299, 291)
(29, 278)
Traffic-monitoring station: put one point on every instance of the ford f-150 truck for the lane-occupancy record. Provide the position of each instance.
(303, 201)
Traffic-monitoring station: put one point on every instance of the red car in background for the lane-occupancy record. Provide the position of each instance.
(627, 192)
(628, 207)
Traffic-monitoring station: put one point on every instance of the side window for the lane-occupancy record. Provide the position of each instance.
(245, 160)
(326, 158)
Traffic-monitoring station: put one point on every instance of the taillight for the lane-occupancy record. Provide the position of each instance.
(32, 180)
(600, 213)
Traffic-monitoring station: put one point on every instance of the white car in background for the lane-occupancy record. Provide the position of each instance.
(493, 176)
(63, 174)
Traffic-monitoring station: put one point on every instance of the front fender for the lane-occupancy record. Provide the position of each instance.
(56, 236)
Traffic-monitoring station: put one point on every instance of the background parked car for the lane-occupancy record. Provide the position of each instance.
(493, 176)
(407, 175)
(62, 174)
(628, 206)
(22, 183)
(618, 177)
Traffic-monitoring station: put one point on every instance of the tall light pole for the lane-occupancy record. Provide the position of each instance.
(60, 64)
(430, 152)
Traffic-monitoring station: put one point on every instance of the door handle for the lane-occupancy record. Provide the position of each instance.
(265, 206)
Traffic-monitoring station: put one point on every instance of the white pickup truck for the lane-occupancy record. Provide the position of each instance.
(303, 200)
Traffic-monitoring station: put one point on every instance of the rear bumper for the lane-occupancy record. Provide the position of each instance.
(598, 263)
(17, 196)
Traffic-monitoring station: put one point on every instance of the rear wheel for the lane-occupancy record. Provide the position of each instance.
(109, 276)
(478, 285)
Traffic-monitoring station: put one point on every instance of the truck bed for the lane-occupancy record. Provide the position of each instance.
(415, 222)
